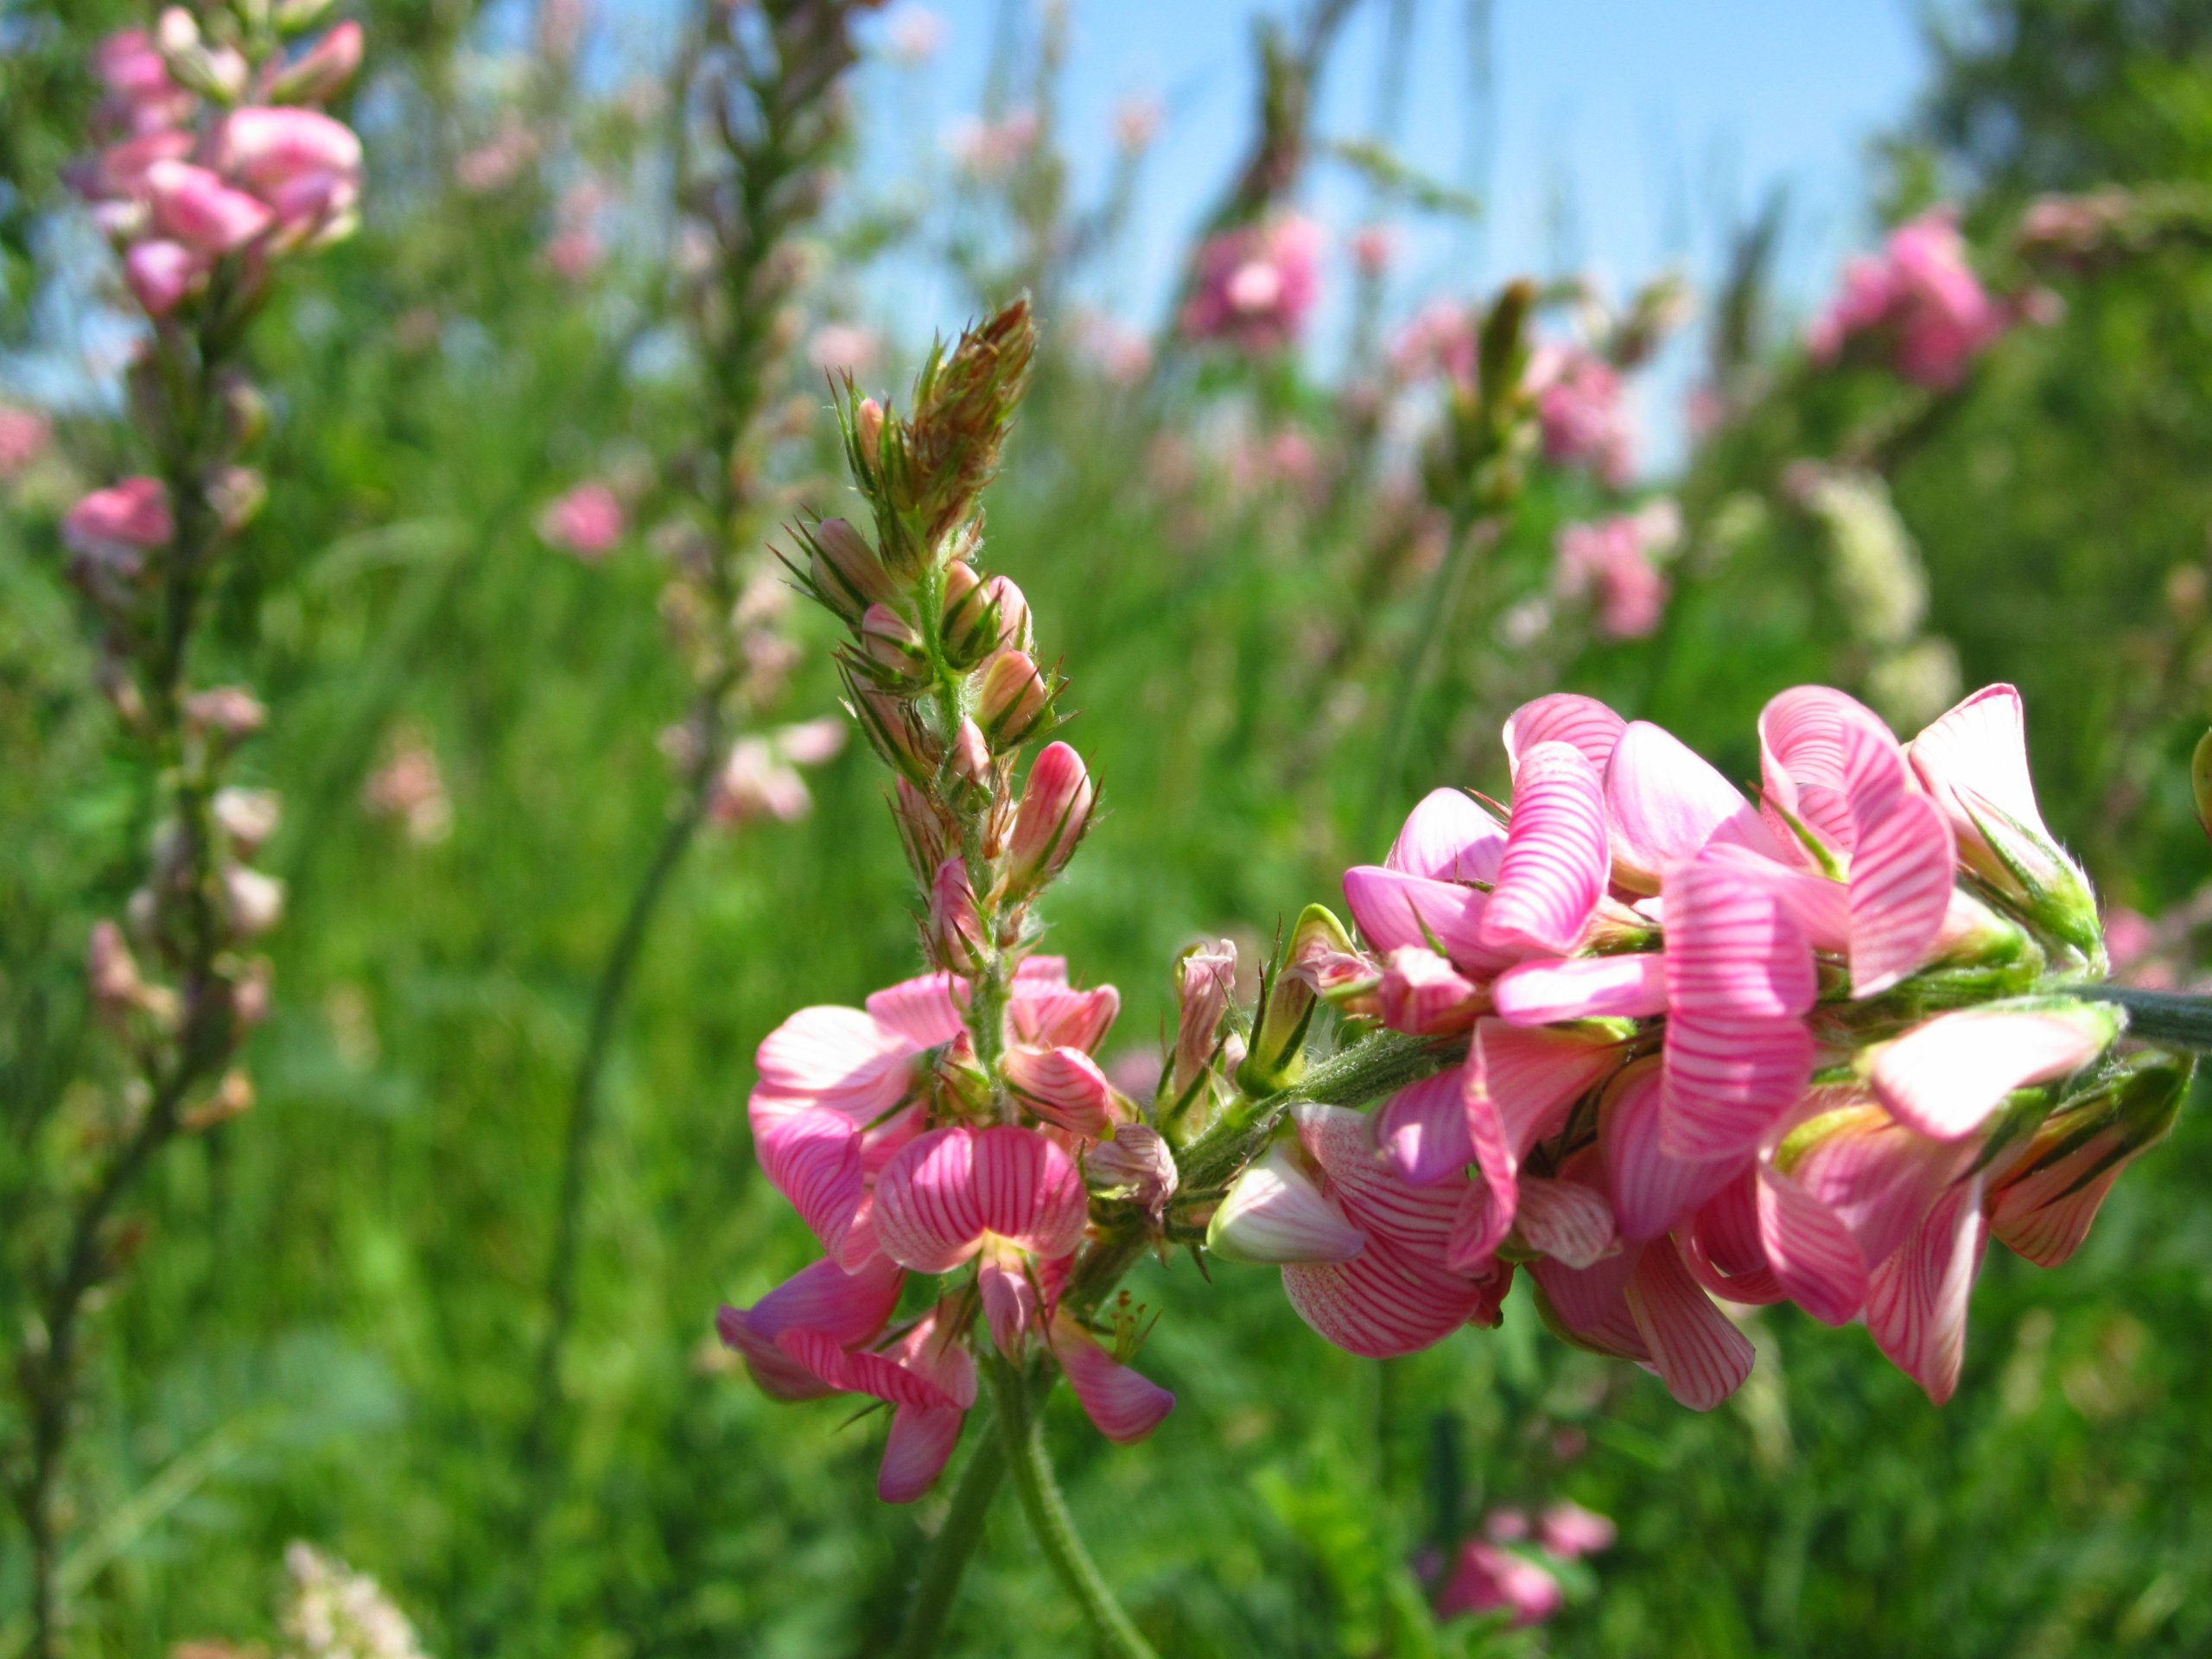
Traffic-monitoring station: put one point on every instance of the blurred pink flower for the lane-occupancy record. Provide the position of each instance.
(1490, 1580)
(139, 98)
(1122, 353)
(1585, 416)
(990, 149)
(1570, 1531)
(24, 435)
(588, 521)
(1612, 560)
(846, 347)
(116, 524)
(495, 164)
(410, 787)
(1923, 297)
(1439, 341)
(1136, 122)
(1256, 286)
(915, 33)
(574, 253)
(1375, 248)
(760, 779)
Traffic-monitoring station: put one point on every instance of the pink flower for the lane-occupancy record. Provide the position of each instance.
(843, 347)
(1254, 287)
(1490, 1579)
(194, 206)
(991, 150)
(161, 273)
(24, 435)
(761, 778)
(588, 521)
(305, 165)
(1440, 340)
(1570, 1531)
(494, 164)
(1612, 559)
(410, 787)
(1583, 412)
(1374, 249)
(1923, 299)
(116, 525)
(140, 97)
(915, 33)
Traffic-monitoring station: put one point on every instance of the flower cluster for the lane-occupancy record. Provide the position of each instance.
(1614, 561)
(957, 1127)
(1921, 301)
(1581, 403)
(1818, 1048)
(1511, 1568)
(1254, 287)
(216, 159)
(334, 1612)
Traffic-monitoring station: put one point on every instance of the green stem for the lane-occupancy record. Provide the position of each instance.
(2170, 1018)
(1022, 1430)
(938, 1581)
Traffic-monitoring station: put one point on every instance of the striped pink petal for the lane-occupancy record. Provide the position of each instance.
(1563, 717)
(1820, 905)
(921, 1444)
(1732, 951)
(1450, 836)
(1378, 1200)
(1423, 1128)
(1699, 1355)
(1028, 1190)
(1386, 1301)
(1062, 1086)
(1977, 754)
(1945, 1077)
(1722, 1246)
(812, 1156)
(1556, 852)
(1545, 991)
(1422, 993)
(1395, 911)
(1653, 1189)
(1274, 1214)
(1811, 1252)
(1483, 1221)
(920, 1009)
(1728, 1080)
(878, 1374)
(846, 1058)
(928, 1216)
(1666, 802)
(2044, 1230)
(847, 1307)
(1565, 1221)
(1122, 1404)
(1802, 766)
(1589, 1305)
(1877, 1176)
(1917, 1301)
(1046, 1015)
(1529, 1078)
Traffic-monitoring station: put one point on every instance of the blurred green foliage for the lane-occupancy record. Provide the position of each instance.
(329, 1334)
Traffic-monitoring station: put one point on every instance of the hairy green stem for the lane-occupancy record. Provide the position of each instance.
(1022, 1428)
(2170, 1018)
(938, 1581)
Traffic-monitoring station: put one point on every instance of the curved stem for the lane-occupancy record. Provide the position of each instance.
(1022, 1430)
(938, 1581)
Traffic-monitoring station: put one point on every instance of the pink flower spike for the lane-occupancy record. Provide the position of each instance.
(1394, 911)
(1666, 802)
(1423, 1128)
(1123, 1405)
(1556, 852)
(1062, 1086)
(1422, 993)
(1275, 1214)
(1563, 717)
(197, 209)
(847, 1307)
(1570, 1531)
(1916, 1300)
(1450, 836)
(1700, 1357)
(1946, 1077)
(1546, 991)
(1566, 1220)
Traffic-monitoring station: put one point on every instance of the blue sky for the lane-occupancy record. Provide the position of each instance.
(1619, 137)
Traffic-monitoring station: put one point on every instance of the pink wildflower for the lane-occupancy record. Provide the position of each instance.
(1922, 298)
(1488, 1580)
(1612, 560)
(1255, 287)
(24, 435)
(588, 521)
(1584, 413)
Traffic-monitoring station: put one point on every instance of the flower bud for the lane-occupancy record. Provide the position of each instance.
(867, 427)
(1277, 1050)
(229, 711)
(1206, 979)
(1062, 1086)
(2043, 1205)
(250, 995)
(921, 831)
(1136, 1166)
(111, 973)
(842, 570)
(249, 817)
(245, 411)
(234, 1098)
(252, 903)
(971, 756)
(1056, 803)
(237, 494)
(322, 71)
(890, 643)
(1011, 610)
(967, 626)
(893, 730)
(956, 941)
(1323, 955)
(1013, 701)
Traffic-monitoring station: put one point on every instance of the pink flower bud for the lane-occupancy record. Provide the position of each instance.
(893, 730)
(1055, 811)
(248, 816)
(231, 711)
(868, 426)
(1205, 978)
(957, 940)
(1012, 611)
(845, 573)
(111, 971)
(252, 903)
(921, 831)
(967, 625)
(1136, 1166)
(321, 71)
(971, 756)
(117, 524)
(588, 521)
(893, 645)
(1013, 700)
(161, 273)
(1424, 994)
